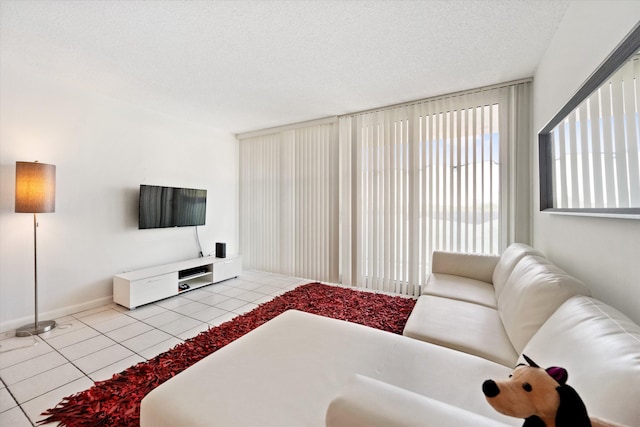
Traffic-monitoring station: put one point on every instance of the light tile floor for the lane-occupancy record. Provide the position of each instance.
(38, 372)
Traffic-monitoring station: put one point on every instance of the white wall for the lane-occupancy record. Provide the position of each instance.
(104, 147)
(603, 252)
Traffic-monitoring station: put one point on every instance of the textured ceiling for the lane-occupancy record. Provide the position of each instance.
(247, 65)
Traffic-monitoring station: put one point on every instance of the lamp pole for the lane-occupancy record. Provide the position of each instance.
(35, 266)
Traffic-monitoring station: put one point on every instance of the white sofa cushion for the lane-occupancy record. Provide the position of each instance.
(366, 402)
(461, 288)
(471, 265)
(534, 290)
(508, 260)
(600, 348)
(462, 326)
(289, 369)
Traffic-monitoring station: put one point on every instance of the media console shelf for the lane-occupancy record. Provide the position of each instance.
(135, 288)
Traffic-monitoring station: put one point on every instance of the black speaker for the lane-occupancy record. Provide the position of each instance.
(221, 250)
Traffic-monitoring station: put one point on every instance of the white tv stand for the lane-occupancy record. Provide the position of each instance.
(135, 288)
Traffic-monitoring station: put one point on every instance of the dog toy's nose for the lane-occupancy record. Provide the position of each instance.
(490, 388)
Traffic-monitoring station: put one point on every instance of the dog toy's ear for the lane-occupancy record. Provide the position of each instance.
(572, 411)
(559, 374)
(530, 362)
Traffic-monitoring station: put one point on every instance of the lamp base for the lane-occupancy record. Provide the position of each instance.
(35, 329)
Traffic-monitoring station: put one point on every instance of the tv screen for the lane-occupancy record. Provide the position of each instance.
(162, 207)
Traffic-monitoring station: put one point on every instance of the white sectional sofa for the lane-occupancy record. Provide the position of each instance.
(489, 306)
(476, 317)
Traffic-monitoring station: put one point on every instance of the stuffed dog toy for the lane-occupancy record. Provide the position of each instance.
(541, 397)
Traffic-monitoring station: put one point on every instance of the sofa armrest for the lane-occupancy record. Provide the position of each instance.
(474, 266)
(368, 402)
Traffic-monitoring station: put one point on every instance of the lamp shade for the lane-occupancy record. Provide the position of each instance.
(35, 187)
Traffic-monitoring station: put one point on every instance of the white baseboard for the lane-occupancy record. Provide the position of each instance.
(8, 328)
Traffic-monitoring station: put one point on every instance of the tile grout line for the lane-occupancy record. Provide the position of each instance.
(254, 280)
(17, 404)
(136, 353)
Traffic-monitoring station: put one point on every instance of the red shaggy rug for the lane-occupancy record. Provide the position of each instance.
(116, 402)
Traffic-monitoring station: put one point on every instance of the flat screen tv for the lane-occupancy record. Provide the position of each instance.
(162, 207)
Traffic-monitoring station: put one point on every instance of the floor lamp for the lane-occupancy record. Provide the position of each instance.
(35, 193)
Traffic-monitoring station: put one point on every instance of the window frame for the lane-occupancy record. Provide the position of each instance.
(628, 47)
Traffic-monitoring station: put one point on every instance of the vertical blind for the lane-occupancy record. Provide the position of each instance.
(289, 203)
(435, 175)
(364, 200)
(596, 149)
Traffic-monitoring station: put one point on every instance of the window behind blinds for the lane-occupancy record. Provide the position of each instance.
(364, 200)
(289, 202)
(425, 177)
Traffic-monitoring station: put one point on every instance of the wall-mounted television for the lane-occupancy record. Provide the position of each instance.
(162, 207)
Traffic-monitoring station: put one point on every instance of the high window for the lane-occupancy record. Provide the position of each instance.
(289, 201)
(433, 175)
(364, 199)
